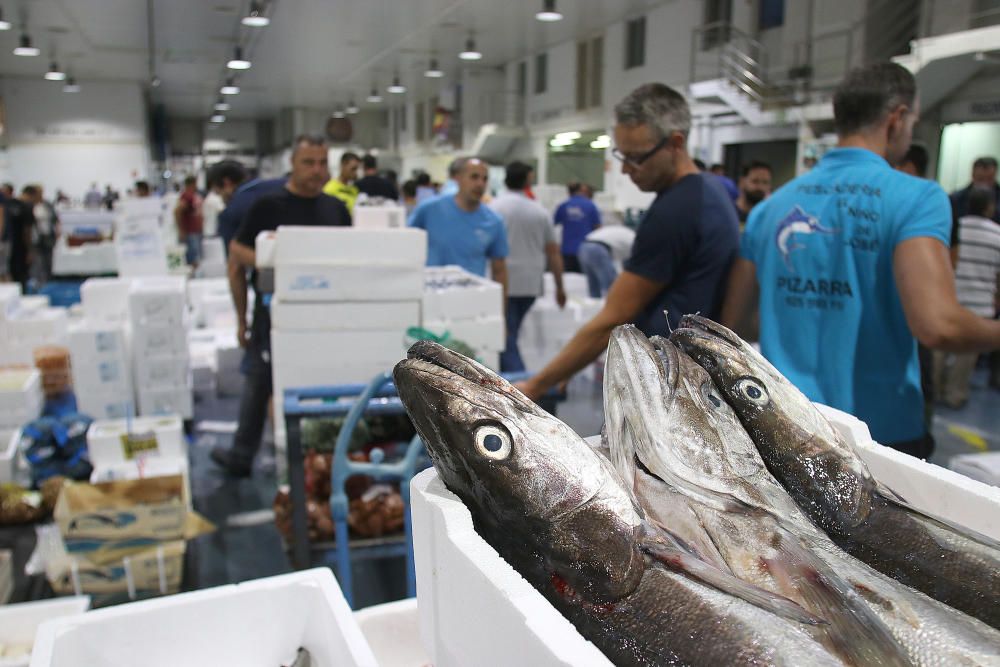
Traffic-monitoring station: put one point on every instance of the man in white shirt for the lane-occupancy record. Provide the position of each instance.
(599, 253)
(976, 279)
(532, 241)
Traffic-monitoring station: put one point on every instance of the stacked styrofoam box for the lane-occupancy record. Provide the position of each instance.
(210, 627)
(211, 303)
(139, 243)
(213, 258)
(19, 623)
(102, 372)
(393, 632)
(105, 299)
(86, 260)
(161, 362)
(343, 301)
(467, 307)
(105, 438)
(379, 217)
(21, 398)
(26, 330)
(11, 458)
(547, 327)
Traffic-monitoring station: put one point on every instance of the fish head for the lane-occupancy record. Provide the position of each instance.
(531, 483)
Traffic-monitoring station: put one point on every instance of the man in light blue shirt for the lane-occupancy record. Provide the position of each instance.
(460, 230)
(852, 262)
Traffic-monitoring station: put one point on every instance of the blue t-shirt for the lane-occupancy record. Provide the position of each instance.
(831, 318)
(236, 210)
(455, 236)
(578, 217)
(687, 241)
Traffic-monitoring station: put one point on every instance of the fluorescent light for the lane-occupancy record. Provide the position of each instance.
(54, 73)
(396, 88)
(560, 143)
(433, 71)
(71, 86)
(338, 114)
(4, 25)
(470, 52)
(599, 144)
(549, 13)
(155, 82)
(217, 118)
(25, 48)
(352, 108)
(604, 139)
(374, 98)
(568, 136)
(255, 17)
(230, 88)
(238, 61)
(222, 105)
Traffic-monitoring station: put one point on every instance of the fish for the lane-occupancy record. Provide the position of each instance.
(695, 469)
(796, 222)
(831, 483)
(560, 514)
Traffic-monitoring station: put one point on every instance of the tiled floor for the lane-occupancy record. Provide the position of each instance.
(247, 546)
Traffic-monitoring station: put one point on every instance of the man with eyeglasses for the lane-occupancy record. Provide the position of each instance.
(683, 248)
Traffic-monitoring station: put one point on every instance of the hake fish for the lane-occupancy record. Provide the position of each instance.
(712, 489)
(830, 482)
(558, 512)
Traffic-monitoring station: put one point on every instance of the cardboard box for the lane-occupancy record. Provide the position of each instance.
(108, 441)
(158, 300)
(322, 282)
(105, 299)
(348, 246)
(155, 570)
(451, 292)
(146, 508)
(210, 628)
(345, 316)
(166, 401)
(19, 623)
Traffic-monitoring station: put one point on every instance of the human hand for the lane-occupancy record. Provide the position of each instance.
(561, 298)
(242, 336)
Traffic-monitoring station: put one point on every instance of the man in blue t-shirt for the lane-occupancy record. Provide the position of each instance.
(578, 216)
(852, 262)
(460, 230)
(684, 246)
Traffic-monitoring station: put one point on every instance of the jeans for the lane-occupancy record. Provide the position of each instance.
(193, 243)
(257, 390)
(571, 264)
(517, 308)
(596, 262)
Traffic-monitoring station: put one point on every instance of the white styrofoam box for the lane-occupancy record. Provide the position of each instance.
(169, 340)
(144, 467)
(19, 622)
(265, 247)
(513, 624)
(983, 467)
(481, 334)
(322, 282)
(21, 397)
(105, 405)
(10, 297)
(91, 339)
(216, 311)
(158, 300)
(105, 298)
(332, 350)
(99, 220)
(450, 292)
(393, 632)
(379, 217)
(139, 246)
(34, 302)
(166, 401)
(162, 372)
(38, 327)
(210, 627)
(385, 315)
(351, 247)
(86, 260)
(574, 284)
(104, 438)
(199, 288)
(10, 456)
(213, 250)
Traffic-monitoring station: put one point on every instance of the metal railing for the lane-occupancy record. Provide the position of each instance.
(939, 18)
(721, 50)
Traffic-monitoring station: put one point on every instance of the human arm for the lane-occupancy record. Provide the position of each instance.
(498, 269)
(739, 309)
(926, 285)
(628, 296)
(555, 263)
(179, 209)
(236, 269)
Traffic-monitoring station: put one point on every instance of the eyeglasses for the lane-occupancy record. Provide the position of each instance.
(637, 160)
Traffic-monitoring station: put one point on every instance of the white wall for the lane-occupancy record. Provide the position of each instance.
(69, 141)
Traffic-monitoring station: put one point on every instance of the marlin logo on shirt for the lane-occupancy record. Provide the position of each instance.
(796, 222)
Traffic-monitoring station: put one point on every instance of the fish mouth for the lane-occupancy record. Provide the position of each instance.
(709, 329)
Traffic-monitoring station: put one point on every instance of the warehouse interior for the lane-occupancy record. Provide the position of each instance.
(245, 243)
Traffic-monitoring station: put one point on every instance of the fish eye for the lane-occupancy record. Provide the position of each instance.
(754, 391)
(493, 443)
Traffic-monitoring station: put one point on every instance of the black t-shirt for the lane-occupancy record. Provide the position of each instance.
(19, 218)
(687, 240)
(376, 186)
(273, 210)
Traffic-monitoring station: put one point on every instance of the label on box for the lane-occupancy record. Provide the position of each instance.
(106, 341)
(139, 443)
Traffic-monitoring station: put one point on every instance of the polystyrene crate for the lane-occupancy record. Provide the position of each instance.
(258, 623)
(105, 299)
(451, 292)
(346, 316)
(515, 625)
(158, 300)
(166, 401)
(481, 334)
(104, 438)
(393, 632)
(350, 247)
(10, 297)
(20, 396)
(19, 622)
(10, 456)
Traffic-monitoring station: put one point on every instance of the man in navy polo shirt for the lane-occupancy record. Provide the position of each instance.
(852, 262)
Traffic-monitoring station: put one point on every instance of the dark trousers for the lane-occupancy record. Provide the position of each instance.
(517, 308)
(922, 447)
(257, 390)
(571, 263)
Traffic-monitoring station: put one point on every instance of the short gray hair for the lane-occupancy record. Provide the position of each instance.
(659, 106)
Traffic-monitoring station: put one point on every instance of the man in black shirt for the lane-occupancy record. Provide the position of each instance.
(300, 203)
(19, 225)
(374, 185)
(755, 187)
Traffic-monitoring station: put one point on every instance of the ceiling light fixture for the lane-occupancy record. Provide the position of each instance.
(54, 73)
(4, 25)
(433, 71)
(155, 81)
(374, 98)
(560, 143)
(230, 87)
(352, 108)
(217, 118)
(338, 114)
(549, 12)
(222, 105)
(71, 86)
(396, 88)
(24, 47)
(568, 136)
(470, 52)
(238, 61)
(255, 17)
